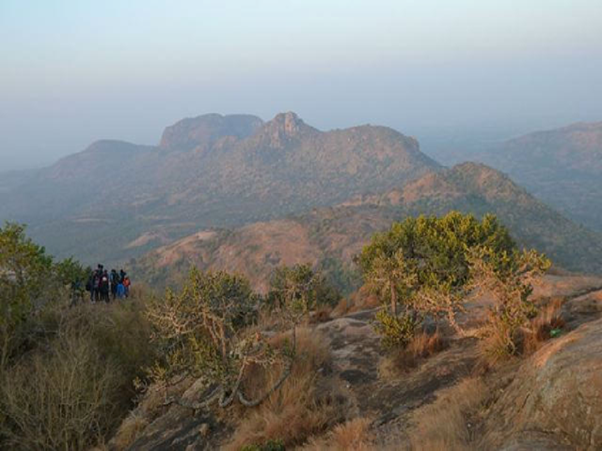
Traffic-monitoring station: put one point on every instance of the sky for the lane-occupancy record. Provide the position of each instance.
(72, 72)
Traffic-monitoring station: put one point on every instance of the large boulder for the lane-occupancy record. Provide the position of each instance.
(557, 393)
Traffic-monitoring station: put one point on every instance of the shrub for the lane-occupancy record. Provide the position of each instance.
(424, 262)
(305, 405)
(201, 331)
(66, 370)
(548, 319)
(510, 287)
(431, 264)
(65, 399)
(301, 288)
(29, 281)
(395, 331)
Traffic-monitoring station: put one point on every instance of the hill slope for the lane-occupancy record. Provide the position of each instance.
(562, 167)
(330, 237)
(117, 199)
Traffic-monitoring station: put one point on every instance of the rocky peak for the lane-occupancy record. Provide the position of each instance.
(284, 128)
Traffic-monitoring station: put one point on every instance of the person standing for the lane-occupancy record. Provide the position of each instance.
(120, 291)
(97, 282)
(126, 285)
(114, 280)
(104, 286)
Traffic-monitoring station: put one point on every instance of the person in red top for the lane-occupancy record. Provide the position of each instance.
(126, 285)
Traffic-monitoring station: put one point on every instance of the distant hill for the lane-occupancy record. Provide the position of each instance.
(562, 167)
(116, 199)
(330, 237)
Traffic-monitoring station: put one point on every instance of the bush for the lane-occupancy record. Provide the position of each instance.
(301, 288)
(202, 332)
(395, 331)
(308, 403)
(432, 264)
(65, 399)
(75, 382)
(510, 289)
(424, 262)
(29, 281)
(66, 370)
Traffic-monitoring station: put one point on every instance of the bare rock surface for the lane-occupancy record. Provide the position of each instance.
(557, 392)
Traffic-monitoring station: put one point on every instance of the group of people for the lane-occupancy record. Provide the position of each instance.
(104, 285)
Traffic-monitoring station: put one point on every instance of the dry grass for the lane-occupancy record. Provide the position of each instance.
(422, 346)
(549, 318)
(129, 430)
(322, 314)
(362, 299)
(341, 308)
(304, 406)
(67, 399)
(353, 435)
(445, 424)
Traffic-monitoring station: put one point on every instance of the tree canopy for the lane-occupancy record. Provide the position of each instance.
(429, 264)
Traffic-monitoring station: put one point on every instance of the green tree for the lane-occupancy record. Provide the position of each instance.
(426, 263)
(300, 288)
(24, 273)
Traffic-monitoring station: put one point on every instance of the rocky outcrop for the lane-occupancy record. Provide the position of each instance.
(556, 394)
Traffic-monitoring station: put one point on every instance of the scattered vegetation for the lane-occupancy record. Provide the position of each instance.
(201, 332)
(396, 331)
(300, 287)
(431, 265)
(67, 371)
(507, 280)
(306, 404)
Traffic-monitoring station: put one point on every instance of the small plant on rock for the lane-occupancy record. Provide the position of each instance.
(396, 331)
(508, 281)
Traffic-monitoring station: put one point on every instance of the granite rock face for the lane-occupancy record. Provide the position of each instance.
(558, 391)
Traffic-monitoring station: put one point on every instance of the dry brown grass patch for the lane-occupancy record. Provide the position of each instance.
(129, 430)
(548, 319)
(445, 424)
(353, 435)
(422, 346)
(341, 308)
(295, 411)
(321, 314)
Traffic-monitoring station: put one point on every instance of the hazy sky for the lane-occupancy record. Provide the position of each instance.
(74, 71)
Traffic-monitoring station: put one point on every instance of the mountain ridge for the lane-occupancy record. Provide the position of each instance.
(208, 171)
(562, 167)
(329, 237)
